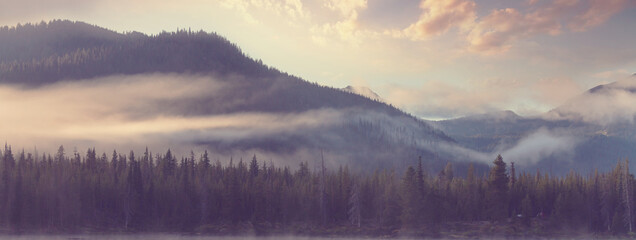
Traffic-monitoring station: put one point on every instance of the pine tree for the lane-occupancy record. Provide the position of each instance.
(355, 216)
(596, 218)
(527, 211)
(498, 189)
(253, 167)
(410, 199)
(205, 160)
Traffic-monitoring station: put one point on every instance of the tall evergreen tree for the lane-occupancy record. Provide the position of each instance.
(253, 167)
(498, 189)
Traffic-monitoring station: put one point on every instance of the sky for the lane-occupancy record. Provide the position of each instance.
(437, 59)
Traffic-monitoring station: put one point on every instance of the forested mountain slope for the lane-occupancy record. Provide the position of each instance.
(350, 128)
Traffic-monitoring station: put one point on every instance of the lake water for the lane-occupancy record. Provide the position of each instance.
(181, 237)
(156, 237)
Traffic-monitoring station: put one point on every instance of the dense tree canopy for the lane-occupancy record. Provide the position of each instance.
(71, 192)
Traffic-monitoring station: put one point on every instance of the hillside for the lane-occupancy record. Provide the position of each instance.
(218, 81)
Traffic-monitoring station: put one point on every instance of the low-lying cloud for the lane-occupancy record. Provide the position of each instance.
(540, 145)
(605, 105)
(121, 111)
(543, 144)
(441, 100)
(228, 116)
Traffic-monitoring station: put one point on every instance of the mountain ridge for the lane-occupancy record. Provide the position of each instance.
(595, 124)
(363, 91)
(368, 130)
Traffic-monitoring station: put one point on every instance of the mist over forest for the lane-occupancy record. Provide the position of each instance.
(182, 131)
(79, 85)
(90, 87)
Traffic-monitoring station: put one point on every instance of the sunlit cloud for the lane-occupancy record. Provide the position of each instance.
(46, 110)
(291, 9)
(597, 12)
(346, 8)
(128, 110)
(440, 16)
(500, 29)
(346, 27)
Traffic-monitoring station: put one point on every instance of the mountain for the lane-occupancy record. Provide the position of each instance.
(589, 131)
(212, 95)
(363, 91)
(608, 105)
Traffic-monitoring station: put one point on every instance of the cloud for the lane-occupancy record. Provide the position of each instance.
(542, 144)
(497, 31)
(291, 9)
(346, 7)
(606, 77)
(436, 99)
(539, 145)
(440, 99)
(597, 12)
(605, 105)
(242, 125)
(460, 153)
(138, 111)
(46, 110)
(440, 16)
(132, 109)
(346, 28)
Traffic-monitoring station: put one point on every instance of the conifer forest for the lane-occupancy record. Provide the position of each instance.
(162, 192)
(366, 133)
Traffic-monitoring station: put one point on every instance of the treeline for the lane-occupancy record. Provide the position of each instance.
(130, 192)
(36, 54)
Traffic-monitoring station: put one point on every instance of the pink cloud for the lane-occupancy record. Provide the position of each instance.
(597, 12)
(497, 31)
(439, 16)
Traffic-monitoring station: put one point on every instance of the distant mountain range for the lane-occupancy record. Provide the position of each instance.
(592, 130)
